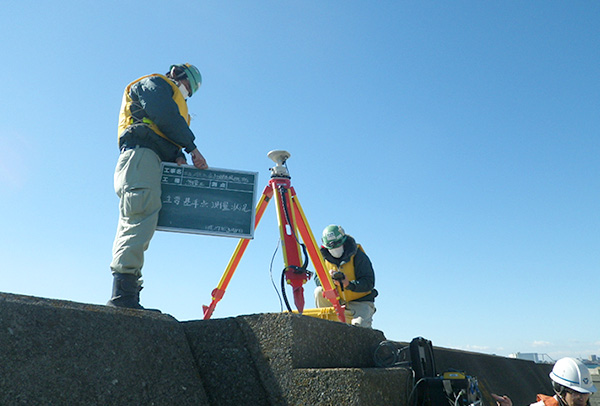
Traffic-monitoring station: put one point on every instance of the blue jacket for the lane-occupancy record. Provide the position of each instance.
(152, 97)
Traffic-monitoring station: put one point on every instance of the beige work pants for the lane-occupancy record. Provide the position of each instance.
(362, 312)
(137, 183)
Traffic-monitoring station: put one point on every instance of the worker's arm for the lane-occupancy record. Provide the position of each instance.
(363, 270)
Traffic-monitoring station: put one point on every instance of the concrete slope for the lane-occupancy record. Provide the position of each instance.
(521, 380)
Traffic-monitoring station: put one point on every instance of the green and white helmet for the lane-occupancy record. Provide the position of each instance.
(192, 74)
(333, 236)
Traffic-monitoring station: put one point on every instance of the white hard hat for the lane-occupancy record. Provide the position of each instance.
(573, 374)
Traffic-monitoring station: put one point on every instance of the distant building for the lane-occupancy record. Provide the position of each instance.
(593, 363)
(533, 356)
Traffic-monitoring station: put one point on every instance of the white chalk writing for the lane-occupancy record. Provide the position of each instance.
(223, 229)
(220, 205)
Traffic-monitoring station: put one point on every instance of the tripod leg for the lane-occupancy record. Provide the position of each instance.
(219, 291)
(329, 289)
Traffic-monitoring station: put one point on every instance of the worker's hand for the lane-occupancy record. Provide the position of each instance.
(502, 400)
(339, 278)
(344, 281)
(180, 160)
(198, 159)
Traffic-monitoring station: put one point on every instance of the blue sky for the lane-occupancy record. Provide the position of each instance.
(458, 142)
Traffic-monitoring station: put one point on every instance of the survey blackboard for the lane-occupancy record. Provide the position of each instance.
(209, 201)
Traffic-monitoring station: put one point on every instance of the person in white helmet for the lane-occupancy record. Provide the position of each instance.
(572, 384)
(153, 127)
(352, 273)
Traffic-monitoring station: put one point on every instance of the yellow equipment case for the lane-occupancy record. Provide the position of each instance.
(327, 313)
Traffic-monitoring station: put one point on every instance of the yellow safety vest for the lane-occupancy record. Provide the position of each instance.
(348, 270)
(126, 118)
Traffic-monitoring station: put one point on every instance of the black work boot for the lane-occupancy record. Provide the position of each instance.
(126, 291)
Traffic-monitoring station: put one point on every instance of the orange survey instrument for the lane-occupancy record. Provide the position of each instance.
(291, 221)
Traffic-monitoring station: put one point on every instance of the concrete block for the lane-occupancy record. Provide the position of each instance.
(261, 354)
(55, 352)
(308, 342)
(350, 386)
(230, 364)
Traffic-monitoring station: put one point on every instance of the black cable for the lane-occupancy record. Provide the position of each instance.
(387, 355)
(283, 290)
(271, 275)
(294, 268)
(282, 191)
(410, 380)
(413, 391)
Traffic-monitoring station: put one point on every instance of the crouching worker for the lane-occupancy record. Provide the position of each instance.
(572, 384)
(352, 273)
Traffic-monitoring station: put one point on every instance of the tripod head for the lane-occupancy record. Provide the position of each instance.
(279, 157)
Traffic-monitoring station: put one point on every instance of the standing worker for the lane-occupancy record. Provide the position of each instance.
(352, 273)
(153, 127)
(572, 384)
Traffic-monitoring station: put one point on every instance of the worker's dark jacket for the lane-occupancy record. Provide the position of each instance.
(154, 115)
(363, 269)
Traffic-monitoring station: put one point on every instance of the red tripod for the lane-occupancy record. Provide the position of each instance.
(291, 219)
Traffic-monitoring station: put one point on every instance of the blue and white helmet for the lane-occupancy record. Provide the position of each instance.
(573, 374)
